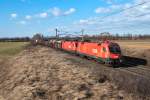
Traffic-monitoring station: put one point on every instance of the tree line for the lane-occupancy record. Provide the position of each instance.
(101, 36)
(119, 37)
(16, 39)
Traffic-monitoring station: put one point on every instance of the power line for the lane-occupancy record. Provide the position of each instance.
(136, 5)
(127, 9)
(118, 13)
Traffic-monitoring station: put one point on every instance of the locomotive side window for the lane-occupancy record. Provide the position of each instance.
(104, 49)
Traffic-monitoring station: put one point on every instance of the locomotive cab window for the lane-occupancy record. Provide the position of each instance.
(114, 49)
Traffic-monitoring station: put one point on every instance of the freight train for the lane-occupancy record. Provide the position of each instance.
(106, 52)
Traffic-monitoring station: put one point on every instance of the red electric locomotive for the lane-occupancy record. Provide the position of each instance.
(70, 46)
(106, 52)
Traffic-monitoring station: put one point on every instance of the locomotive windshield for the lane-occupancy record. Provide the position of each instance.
(114, 49)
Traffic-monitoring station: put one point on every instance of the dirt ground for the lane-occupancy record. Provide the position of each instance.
(41, 73)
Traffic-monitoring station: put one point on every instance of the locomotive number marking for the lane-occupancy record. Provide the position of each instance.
(94, 50)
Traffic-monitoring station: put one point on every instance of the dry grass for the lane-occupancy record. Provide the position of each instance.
(43, 73)
(138, 86)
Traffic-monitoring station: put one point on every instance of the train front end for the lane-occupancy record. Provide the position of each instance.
(115, 55)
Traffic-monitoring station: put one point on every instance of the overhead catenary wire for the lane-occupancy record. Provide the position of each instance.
(123, 10)
(127, 9)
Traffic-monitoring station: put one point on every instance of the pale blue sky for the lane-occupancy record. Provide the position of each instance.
(27, 17)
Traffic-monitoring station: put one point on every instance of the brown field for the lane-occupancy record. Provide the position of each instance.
(135, 44)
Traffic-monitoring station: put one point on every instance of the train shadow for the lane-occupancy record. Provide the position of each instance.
(133, 61)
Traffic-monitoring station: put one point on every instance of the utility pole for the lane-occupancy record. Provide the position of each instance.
(56, 32)
(82, 31)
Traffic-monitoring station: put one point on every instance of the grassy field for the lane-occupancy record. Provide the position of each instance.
(8, 49)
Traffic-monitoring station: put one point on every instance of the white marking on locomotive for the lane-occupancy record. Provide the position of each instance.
(69, 46)
(94, 50)
(36, 41)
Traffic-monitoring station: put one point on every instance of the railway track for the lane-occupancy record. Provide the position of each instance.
(135, 72)
(138, 66)
(138, 70)
(129, 67)
(130, 76)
